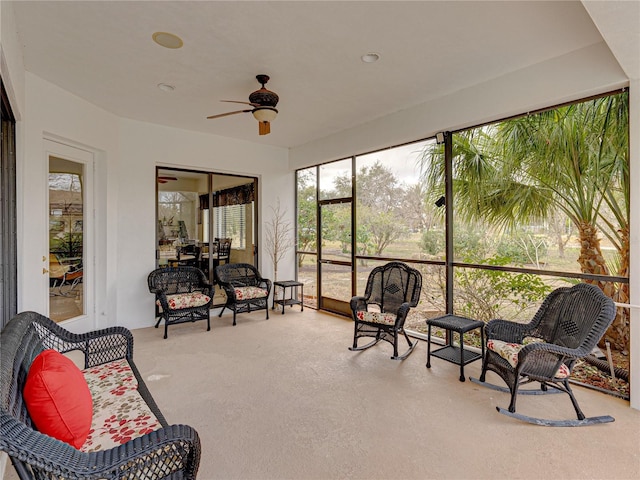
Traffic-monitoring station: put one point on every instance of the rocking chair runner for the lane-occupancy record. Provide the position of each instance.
(394, 288)
(568, 325)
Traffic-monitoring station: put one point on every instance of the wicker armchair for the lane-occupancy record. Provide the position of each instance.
(183, 294)
(173, 451)
(568, 325)
(244, 287)
(394, 288)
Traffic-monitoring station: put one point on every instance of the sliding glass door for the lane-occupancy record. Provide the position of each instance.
(205, 219)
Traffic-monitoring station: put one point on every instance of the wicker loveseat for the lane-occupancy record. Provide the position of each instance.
(143, 445)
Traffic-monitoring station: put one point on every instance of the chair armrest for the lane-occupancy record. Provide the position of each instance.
(107, 345)
(206, 288)
(401, 314)
(99, 346)
(229, 290)
(544, 359)
(265, 283)
(358, 303)
(173, 449)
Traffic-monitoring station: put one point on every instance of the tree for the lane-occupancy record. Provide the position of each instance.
(307, 213)
(573, 159)
(379, 200)
(418, 214)
(278, 236)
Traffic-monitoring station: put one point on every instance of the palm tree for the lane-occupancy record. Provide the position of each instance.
(573, 159)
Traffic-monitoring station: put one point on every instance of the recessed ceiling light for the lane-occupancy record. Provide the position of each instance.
(165, 87)
(370, 57)
(167, 40)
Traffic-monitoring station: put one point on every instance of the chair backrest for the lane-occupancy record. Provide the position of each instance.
(393, 284)
(238, 274)
(190, 249)
(224, 249)
(573, 317)
(20, 343)
(172, 280)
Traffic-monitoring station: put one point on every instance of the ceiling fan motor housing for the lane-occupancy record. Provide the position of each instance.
(264, 97)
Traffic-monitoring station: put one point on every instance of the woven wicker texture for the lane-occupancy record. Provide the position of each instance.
(175, 280)
(568, 325)
(393, 288)
(173, 451)
(233, 275)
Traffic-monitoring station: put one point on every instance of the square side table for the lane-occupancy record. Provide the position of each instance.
(451, 353)
(292, 300)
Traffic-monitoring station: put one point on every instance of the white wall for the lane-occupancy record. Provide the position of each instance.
(143, 146)
(54, 113)
(11, 63)
(127, 153)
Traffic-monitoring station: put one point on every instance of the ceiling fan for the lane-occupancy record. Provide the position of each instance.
(264, 104)
(165, 179)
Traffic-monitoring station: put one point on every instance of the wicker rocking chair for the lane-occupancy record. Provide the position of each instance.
(568, 325)
(393, 289)
(183, 294)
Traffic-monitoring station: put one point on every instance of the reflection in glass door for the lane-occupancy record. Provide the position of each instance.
(66, 239)
(205, 219)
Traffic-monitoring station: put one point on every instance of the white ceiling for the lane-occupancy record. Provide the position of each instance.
(102, 51)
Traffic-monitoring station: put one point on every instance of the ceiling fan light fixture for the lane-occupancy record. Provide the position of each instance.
(265, 114)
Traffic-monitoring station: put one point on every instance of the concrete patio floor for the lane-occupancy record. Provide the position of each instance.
(285, 399)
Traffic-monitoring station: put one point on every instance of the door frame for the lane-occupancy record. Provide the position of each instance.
(59, 148)
(329, 303)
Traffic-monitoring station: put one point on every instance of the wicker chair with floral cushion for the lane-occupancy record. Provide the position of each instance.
(392, 289)
(128, 437)
(244, 287)
(567, 327)
(183, 294)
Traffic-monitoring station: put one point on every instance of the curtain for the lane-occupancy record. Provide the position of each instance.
(230, 196)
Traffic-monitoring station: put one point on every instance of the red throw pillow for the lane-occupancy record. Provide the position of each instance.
(58, 398)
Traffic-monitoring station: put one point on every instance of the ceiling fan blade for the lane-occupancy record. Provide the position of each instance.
(245, 103)
(228, 113)
(162, 177)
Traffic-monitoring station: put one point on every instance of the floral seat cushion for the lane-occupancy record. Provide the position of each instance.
(120, 414)
(509, 351)
(186, 300)
(249, 293)
(384, 318)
